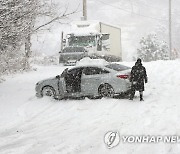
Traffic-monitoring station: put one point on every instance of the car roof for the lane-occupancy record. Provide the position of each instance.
(80, 66)
(99, 66)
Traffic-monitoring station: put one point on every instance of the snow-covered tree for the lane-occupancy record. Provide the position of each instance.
(17, 24)
(16, 19)
(152, 49)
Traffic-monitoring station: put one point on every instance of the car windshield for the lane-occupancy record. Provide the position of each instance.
(117, 67)
(73, 49)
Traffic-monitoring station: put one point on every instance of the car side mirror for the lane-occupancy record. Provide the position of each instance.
(58, 77)
(64, 40)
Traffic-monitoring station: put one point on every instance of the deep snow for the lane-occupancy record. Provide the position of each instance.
(29, 125)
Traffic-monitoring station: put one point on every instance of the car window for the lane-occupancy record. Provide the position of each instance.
(94, 70)
(63, 74)
(74, 70)
(117, 67)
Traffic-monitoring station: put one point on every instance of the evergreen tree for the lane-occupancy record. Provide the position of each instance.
(152, 49)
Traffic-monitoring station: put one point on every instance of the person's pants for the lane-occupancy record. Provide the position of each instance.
(133, 91)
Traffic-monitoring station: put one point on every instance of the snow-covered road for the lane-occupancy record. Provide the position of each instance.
(29, 125)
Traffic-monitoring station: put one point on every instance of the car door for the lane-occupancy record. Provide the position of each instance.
(62, 83)
(92, 77)
(73, 80)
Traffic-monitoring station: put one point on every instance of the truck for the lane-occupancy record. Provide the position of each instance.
(101, 40)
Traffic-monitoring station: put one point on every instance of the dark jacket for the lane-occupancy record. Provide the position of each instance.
(138, 77)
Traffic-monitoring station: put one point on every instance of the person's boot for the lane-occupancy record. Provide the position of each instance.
(141, 97)
(132, 94)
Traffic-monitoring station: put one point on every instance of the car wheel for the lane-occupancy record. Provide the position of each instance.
(48, 91)
(106, 90)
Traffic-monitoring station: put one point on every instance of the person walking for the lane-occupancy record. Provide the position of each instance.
(137, 79)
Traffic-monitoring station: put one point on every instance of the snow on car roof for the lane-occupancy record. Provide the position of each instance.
(91, 62)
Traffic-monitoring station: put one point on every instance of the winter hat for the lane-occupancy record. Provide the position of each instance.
(139, 61)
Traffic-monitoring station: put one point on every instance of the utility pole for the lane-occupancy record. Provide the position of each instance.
(62, 36)
(85, 9)
(170, 31)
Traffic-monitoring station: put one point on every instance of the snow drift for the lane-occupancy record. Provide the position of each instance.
(29, 125)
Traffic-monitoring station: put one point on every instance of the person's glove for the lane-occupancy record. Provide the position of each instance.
(134, 82)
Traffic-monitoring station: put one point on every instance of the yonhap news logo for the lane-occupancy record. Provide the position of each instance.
(112, 139)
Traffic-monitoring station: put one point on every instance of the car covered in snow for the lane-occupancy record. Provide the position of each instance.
(70, 55)
(89, 81)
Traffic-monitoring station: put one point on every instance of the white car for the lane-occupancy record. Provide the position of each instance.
(87, 81)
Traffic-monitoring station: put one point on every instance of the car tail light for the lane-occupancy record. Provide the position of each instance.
(123, 76)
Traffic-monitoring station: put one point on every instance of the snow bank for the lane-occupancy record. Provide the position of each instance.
(43, 59)
(29, 125)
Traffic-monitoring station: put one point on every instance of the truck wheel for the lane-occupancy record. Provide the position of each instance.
(94, 97)
(61, 61)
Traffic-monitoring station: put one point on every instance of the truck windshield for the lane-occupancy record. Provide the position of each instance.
(82, 41)
(73, 49)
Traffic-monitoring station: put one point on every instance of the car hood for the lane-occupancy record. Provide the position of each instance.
(73, 55)
(46, 80)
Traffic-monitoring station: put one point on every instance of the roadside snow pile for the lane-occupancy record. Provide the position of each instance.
(89, 61)
(42, 59)
(2, 79)
(32, 126)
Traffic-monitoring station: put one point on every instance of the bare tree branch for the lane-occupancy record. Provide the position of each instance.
(63, 16)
